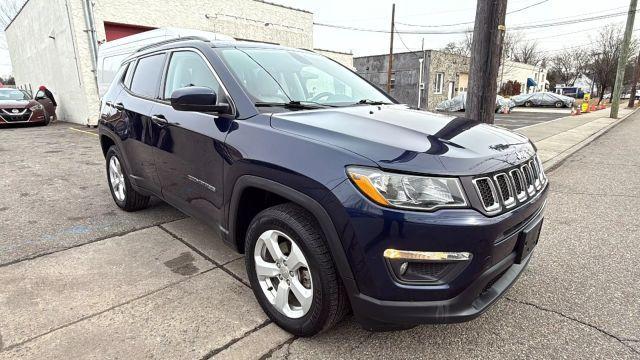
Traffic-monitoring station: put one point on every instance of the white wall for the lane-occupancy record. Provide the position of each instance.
(521, 72)
(42, 50)
(243, 19)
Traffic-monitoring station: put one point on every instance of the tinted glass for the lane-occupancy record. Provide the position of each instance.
(282, 75)
(11, 94)
(147, 75)
(187, 69)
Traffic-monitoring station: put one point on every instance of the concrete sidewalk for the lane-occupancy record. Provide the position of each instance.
(163, 286)
(558, 139)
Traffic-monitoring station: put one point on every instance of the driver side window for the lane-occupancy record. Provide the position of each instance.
(187, 69)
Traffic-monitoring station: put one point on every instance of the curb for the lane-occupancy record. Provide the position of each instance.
(556, 161)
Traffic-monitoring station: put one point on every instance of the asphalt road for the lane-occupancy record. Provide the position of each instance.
(82, 279)
(521, 117)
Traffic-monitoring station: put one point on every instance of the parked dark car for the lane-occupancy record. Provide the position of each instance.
(339, 197)
(17, 107)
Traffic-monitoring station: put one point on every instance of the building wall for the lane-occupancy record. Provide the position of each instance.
(44, 51)
(241, 19)
(455, 70)
(343, 58)
(521, 72)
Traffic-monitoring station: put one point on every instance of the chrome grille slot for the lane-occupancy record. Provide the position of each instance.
(528, 179)
(518, 183)
(505, 188)
(487, 192)
(535, 172)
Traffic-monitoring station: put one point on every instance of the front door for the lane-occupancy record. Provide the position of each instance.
(190, 150)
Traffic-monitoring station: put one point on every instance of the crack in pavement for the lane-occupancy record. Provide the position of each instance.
(101, 238)
(186, 278)
(287, 343)
(207, 257)
(620, 340)
(216, 351)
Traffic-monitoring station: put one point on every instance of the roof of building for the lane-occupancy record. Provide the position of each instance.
(334, 51)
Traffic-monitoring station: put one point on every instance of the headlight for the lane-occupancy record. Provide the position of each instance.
(36, 107)
(408, 191)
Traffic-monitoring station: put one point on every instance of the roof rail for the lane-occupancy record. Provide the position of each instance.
(172, 40)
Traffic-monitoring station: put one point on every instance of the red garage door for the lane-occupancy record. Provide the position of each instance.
(116, 31)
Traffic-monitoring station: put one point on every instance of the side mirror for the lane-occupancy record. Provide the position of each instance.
(196, 98)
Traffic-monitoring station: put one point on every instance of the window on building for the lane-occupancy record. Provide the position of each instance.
(317, 82)
(147, 76)
(439, 83)
(186, 69)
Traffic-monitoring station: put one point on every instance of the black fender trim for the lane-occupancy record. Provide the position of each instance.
(329, 230)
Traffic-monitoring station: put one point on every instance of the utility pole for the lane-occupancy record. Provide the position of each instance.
(488, 36)
(389, 70)
(622, 60)
(636, 77)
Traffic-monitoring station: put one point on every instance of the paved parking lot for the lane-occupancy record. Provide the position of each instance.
(81, 279)
(522, 117)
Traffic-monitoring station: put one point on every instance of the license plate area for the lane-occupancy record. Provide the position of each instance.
(527, 240)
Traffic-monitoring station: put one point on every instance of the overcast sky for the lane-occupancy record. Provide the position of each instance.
(376, 15)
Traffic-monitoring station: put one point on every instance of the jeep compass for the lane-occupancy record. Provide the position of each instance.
(340, 198)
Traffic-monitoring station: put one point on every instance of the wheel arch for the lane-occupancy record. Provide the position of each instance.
(327, 227)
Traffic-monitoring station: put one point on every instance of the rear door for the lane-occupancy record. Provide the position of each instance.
(191, 144)
(133, 109)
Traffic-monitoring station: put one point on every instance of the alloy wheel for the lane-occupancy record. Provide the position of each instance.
(116, 178)
(283, 274)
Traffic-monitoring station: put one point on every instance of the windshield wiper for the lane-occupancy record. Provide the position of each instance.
(373, 102)
(291, 105)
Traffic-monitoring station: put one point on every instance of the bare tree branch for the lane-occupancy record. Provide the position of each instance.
(9, 9)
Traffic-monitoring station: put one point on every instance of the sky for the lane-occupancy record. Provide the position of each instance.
(376, 14)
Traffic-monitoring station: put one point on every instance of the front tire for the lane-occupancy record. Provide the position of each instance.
(124, 195)
(528, 104)
(291, 271)
(559, 104)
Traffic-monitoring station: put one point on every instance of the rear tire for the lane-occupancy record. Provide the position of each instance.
(295, 230)
(559, 104)
(124, 195)
(528, 104)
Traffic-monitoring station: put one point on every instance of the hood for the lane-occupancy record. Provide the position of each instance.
(17, 104)
(398, 138)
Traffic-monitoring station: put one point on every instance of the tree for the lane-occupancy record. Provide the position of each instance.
(9, 9)
(605, 53)
(527, 52)
(462, 47)
(568, 65)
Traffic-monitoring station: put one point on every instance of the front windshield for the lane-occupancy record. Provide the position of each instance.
(11, 94)
(280, 76)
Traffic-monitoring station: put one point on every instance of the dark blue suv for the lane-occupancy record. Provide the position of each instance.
(340, 198)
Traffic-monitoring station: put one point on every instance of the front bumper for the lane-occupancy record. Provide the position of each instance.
(383, 299)
(27, 116)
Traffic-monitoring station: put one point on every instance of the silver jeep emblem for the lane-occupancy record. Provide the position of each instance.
(15, 111)
(521, 155)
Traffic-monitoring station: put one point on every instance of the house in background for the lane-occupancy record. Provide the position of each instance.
(583, 84)
(54, 42)
(533, 78)
(444, 75)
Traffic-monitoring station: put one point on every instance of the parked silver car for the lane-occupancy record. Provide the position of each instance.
(543, 99)
(457, 103)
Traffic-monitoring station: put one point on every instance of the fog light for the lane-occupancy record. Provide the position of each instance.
(393, 254)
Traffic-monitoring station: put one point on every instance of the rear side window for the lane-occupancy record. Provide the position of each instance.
(187, 69)
(147, 76)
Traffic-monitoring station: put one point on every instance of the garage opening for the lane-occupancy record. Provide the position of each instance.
(115, 31)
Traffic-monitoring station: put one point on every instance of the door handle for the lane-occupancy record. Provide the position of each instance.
(159, 119)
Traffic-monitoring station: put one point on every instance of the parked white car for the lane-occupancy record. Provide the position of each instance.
(543, 99)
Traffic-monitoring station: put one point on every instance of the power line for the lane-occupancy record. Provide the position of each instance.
(447, 32)
(469, 22)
